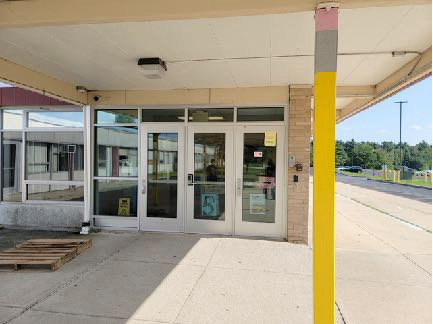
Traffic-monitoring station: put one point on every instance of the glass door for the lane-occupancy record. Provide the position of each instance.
(162, 178)
(210, 179)
(259, 181)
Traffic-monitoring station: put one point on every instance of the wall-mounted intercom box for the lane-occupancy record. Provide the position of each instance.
(292, 161)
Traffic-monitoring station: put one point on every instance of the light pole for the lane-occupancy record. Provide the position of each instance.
(401, 106)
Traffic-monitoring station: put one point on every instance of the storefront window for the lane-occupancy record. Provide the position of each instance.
(55, 192)
(116, 197)
(163, 115)
(210, 115)
(12, 119)
(261, 114)
(50, 156)
(116, 116)
(11, 162)
(116, 151)
(43, 119)
(57, 156)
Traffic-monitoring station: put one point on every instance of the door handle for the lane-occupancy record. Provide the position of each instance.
(239, 186)
(143, 186)
(190, 179)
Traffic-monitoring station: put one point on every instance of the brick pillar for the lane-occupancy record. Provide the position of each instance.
(299, 133)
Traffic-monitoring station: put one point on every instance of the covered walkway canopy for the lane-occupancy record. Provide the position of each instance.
(230, 52)
(53, 46)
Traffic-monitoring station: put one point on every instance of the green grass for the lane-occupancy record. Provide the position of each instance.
(418, 183)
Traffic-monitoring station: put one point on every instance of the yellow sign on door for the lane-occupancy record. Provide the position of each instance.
(124, 207)
(270, 139)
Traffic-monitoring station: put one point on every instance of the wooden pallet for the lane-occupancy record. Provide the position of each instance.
(51, 253)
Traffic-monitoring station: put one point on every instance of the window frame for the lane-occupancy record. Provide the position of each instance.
(123, 221)
(24, 130)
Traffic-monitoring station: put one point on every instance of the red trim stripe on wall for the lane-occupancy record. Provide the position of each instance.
(12, 96)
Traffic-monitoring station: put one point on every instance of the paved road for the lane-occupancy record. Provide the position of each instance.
(404, 203)
(420, 194)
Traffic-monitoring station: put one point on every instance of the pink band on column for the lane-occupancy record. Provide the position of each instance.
(326, 19)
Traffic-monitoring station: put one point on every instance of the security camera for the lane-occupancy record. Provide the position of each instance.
(96, 98)
(81, 89)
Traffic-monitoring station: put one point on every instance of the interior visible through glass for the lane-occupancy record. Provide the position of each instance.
(116, 197)
(259, 183)
(209, 176)
(162, 175)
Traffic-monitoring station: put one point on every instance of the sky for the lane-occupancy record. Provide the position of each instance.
(381, 122)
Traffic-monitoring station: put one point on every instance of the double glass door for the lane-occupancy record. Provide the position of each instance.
(213, 179)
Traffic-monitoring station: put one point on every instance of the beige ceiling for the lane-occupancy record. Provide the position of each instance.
(221, 52)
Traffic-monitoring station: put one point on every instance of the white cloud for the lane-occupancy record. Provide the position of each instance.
(383, 131)
(416, 127)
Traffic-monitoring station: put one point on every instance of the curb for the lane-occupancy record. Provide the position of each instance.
(400, 184)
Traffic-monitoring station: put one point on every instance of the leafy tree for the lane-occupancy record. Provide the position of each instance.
(370, 155)
(365, 156)
(341, 157)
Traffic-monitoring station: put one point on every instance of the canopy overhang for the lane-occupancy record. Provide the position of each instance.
(234, 52)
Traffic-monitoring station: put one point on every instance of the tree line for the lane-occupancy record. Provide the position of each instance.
(370, 155)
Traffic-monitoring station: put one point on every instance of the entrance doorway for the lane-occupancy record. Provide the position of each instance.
(210, 179)
(162, 178)
(217, 179)
(259, 181)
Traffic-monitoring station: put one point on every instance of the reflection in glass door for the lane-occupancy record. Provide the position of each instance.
(259, 180)
(209, 183)
(162, 178)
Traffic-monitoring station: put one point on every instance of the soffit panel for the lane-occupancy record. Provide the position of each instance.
(105, 56)
(292, 70)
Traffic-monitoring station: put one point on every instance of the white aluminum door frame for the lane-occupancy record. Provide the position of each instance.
(202, 225)
(160, 224)
(244, 228)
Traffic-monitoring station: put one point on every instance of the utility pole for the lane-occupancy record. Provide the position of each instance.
(401, 106)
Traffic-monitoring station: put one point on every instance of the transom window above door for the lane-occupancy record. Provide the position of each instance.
(201, 115)
(213, 115)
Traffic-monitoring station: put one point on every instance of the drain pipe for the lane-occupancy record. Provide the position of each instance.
(85, 226)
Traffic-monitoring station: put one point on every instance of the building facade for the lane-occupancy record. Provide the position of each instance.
(216, 167)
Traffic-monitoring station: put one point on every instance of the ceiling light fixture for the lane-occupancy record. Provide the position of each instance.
(398, 53)
(152, 67)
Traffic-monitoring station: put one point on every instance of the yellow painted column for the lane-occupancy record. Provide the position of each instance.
(326, 20)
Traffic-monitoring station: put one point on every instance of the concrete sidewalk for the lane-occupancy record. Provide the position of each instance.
(183, 278)
(383, 275)
(168, 278)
